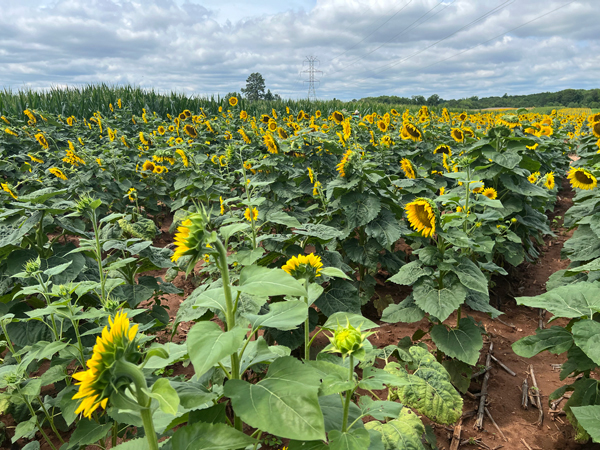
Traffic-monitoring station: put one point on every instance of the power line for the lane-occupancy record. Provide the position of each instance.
(398, 34)
(392, 64)
(311, 76)
(373, 32)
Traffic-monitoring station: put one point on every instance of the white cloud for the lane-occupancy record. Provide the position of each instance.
(366, 47)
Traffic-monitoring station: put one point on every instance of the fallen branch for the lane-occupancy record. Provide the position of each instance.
(487, 411)
(526, 444)
(504, 323)
(524, 396)
(456, 435)
(537, 396)
(541, 314)
(481, 372)
(484, 388)
(504, 366)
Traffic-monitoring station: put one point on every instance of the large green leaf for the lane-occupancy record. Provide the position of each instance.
(357, 439)
(406, 311)
(360, 208)
(385, 229)
(285, 403)
(207, 344)
(343, 318)
(341, 296)
(282, 315)
(262, 281)
(429, 390)
(508, 160)
(471, 276)
(167, 397)
(403, 433)
(556, 340)
(586, 334)
(463, 343)
(578, 300)
(411, 272)
(333, 412)
(439, 302)
(589, 418)
(88, 432)
(208, 436)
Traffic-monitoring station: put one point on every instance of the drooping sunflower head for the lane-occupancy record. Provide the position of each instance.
(265, 118)
(457, 134)
(118, 341)
(468, 132)
(190, 131)
(270, 143)
(549, 181)
(411, 131)
(282, 133)
(304, 266)
(407, 168)
(596, 129)
(490, 193)
(337, 117)
(422, 216)
(582, 179)
(190, 239)
(443, 148)
(345, 166)
(42, 141)
(187, 113)
(7, 188)
(148, 166)
(243, 115)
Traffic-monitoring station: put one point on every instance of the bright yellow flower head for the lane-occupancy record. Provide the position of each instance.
(8, 189)
(303, 266)
(95, 385)
(421, 216)
(57, 173)
(549, 183)
(582, 179)
(251, 215)
(407, 168)
(490, 193)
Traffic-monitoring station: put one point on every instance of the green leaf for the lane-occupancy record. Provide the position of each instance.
(403, 433)
(577, 300)
(460, 373)
(134, 444)
(334, 272)
(26, 429)
(439, 302)
(212, 298)
(88, 432)
(207, 344)
(57, 269)
(406, 311)
(285, 403)
(341, 296)
(584, 245)
(411, 272)
(167, 397)
(385, 229)
(479, 301)
(342, 318)
(360, 208)
(508, 160)
(380, 410)
(556, 340)
(321, 232)
(164, 355)
(282, 315)
(283, 218)
(462, 343)
(263, 281)
(208, 436)
(589, 418)
(357, 439)
(229, 230)
(429, 390)
(586, 334)
(471, 276)
(333, 412)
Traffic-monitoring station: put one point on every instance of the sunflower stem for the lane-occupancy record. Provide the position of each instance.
(37, 422)
(149, 428)
(349, 393)
(307, 340)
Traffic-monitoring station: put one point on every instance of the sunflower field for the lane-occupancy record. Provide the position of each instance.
(285, 220)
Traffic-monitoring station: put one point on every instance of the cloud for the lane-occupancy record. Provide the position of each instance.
(375, 47)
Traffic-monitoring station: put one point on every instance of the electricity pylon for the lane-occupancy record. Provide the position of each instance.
(311, 60)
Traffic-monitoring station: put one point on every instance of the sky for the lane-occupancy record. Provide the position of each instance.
(453, 48)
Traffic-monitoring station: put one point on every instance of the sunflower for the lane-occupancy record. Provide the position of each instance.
(161, 130)
(265, 118)
(183, 156)
(533, 177)
(304, 266)
(462, 116)
(272, 125)
(131, 193)
(421, 215)
(159, 169)
(317, 113)
(233, 101)
(407, 168)
(468, 132)
(341, 167)
(57, 173)
(190, 131)
(95, 384)
(270, 143)
(457, 134)
(42, 141)
(251, 214)
(148, 166)
(243, 115)
(11, 132)
(311, 175)
(582, 179)
(411, 131)
(382, 126)
(337, 117)
(244, 136)
(282, 133)
(490, 193)
(549, 182)
(181, 116)
(189, 240)
(187, 113)
(222, 205)
(300, 116)
(316, 188)
(596, 129)
(443, 148)
(34, 159)
(9, 190)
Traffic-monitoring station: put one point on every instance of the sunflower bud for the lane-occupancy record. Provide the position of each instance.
(32, 266)
(347, 340)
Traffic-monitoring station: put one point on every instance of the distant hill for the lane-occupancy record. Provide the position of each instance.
(569, 98)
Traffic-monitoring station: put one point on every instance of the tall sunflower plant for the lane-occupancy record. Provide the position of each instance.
(454, 240)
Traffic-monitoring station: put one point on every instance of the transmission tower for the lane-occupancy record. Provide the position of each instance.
(311, 60)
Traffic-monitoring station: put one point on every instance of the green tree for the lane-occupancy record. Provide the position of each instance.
(255, 87)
